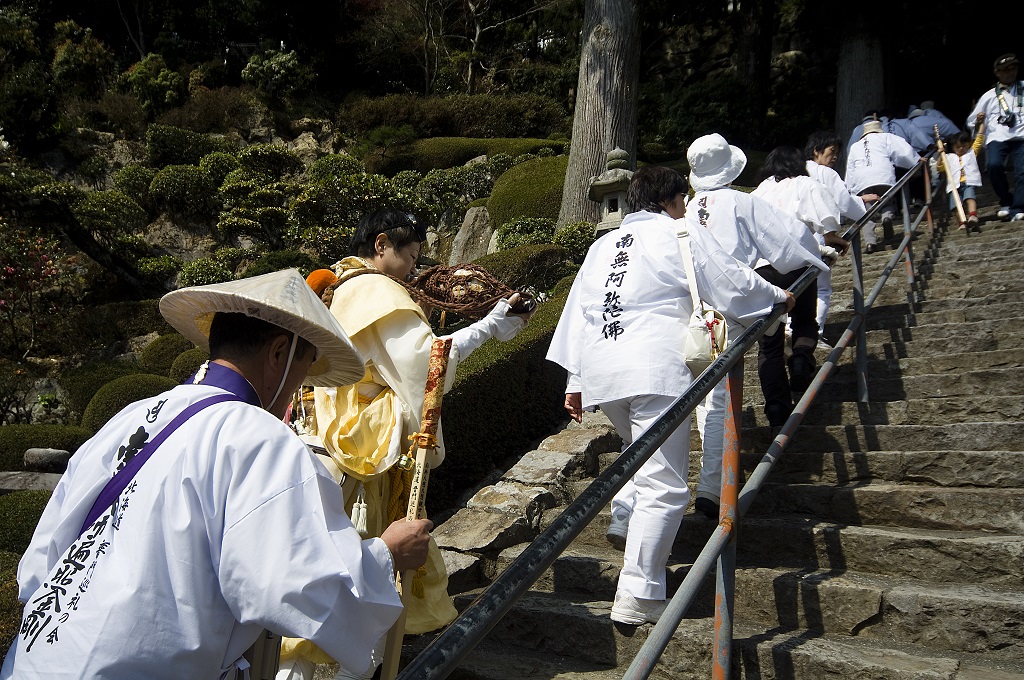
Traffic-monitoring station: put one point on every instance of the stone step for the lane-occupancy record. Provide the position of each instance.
(931, 555)
(884, 386)
(981, 620)
(777, 654)
(887, 504)
(988, 436)
(28, 481)
(966, 409)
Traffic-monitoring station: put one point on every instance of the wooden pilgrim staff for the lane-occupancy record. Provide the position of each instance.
(950, 178)
(424, 441)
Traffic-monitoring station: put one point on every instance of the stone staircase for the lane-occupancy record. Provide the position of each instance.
(888, 543)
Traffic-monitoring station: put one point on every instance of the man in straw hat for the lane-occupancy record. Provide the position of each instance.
(871, 169)
(229, 527)
(779, 247)
(1003, 106)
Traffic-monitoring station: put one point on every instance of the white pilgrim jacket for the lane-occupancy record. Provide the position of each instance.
(850, 206)
(872, 161)
(804, 198)
(753, 231)
(621, 331)
(230, 527)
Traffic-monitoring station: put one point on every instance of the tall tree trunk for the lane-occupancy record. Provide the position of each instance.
(606, 94)
(756, 24)
(860, 82)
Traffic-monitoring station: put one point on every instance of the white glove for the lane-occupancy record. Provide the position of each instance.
(828, 254)
(497, 324)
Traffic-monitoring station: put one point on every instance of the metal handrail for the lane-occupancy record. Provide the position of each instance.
(458, 639)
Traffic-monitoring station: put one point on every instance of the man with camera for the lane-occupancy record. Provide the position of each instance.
(1005, 135)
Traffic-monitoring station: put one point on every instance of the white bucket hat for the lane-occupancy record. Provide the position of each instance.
(713, 162)
(282, 298)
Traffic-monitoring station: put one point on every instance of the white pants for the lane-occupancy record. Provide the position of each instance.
(660, 495)
(711, 425)
(824, 298)
(296, 669)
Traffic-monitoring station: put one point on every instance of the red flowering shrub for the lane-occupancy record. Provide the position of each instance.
(29, 265)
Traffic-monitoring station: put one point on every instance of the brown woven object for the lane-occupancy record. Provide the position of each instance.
(466, 289)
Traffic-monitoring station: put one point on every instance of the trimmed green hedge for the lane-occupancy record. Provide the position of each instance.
(282, 259)
(530, 189)
(15, 439)
(505, 397)
(80, 384)
(424, 155)
(158, 356)
(167, 145)
(540, 266)
(187, 363)
(116, 394)
(19, 515)
(10, 605)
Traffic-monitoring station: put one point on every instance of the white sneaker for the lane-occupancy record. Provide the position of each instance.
(1003, 213)
(1018, 217)
(635, 611)
(617, 529)
(824, 345)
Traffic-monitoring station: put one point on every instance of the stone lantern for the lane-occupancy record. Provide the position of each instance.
(609, 189)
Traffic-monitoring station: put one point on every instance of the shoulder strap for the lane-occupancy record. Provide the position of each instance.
(119, 482)
(691, 277)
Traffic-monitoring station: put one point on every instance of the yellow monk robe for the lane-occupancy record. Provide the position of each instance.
(365, 427)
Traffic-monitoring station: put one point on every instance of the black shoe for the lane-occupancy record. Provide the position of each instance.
(872, 248)
(706, 507)
(802, 368)
(777, 414)
(887, 232)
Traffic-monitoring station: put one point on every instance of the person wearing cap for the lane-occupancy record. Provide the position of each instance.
(1003, 107)
(780, 248)
(225, 525)
(871, 169)
(365, 427)
(619, 339)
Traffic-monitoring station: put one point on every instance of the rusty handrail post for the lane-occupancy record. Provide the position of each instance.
(910, 249)
(927, 174)
(860, 313)
(728, 518)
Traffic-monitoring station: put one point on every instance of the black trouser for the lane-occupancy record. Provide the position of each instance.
(771, 349)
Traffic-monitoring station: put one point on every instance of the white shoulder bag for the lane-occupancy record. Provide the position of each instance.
(707, 332)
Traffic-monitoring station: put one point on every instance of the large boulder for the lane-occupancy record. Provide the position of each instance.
(473, 237)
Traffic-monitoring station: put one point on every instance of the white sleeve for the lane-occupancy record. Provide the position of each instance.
(295, 565)
(781, 239)
(823, 212)
(497, 324)
(902, 154)
(730, 286)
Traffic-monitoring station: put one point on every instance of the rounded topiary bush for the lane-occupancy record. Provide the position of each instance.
(282, 259)
(537, 266)
(158, 355)
(80, 384)
(525, 231)
(563, 286)
(15, 439)
(117, 394)
(134, 180)
(21, 511)
(217, 165)
(203, 271)
(167, 145)
(530, 189)
(576, 238)
(269, 159)
(187, 363)
(183, 190)
(328, 167)
(110, 214)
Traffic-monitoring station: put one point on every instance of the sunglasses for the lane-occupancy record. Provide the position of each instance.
(411, 221)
